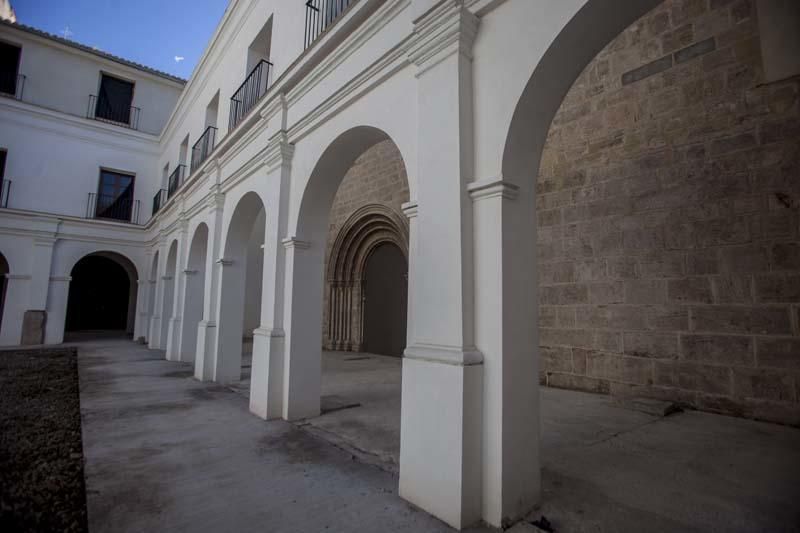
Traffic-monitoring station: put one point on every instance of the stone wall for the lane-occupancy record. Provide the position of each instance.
(668, 208)
(377, 177)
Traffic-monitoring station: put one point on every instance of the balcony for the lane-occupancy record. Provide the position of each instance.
(105, 111)
(12, 84)
(175, 180)
(159, 200)
(122, 208)
(249, 93)
(203, 147)
(320, 14)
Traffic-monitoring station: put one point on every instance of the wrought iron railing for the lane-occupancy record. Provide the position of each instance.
(5, 192)
(105, 111)
(203, 147)
(12, 84)
(320, 14)
(159, 200)
(249, 93)
(175, 180)
(106, 206)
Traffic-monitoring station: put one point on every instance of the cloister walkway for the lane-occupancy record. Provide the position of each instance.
(165, 452)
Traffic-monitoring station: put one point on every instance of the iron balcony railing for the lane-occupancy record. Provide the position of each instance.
(249, 93)
(105, 111)
(12, 84)
(320, 14)
(5, 192)
(203, 147)
(106, 206)
(159, 200)
(175, 180)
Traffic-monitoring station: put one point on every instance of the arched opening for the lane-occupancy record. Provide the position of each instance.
(168, 286)
(351, 214)
(366, 295)
(195, 293)
(240, 294)
(649, 171)
(4, 270)
(102, 295)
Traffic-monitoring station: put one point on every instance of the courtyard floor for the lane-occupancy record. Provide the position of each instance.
(165, 452)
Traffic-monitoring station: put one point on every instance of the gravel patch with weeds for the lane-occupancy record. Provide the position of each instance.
(41, 455)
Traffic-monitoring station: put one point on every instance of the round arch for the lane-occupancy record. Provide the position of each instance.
(194, 300)
(364, 231)
(306, 260)
(102, 293)
(240, 284)
(583, 37)
(168, 301)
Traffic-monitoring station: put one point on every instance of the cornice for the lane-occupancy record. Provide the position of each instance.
(447, 29)
(294, 242)
(279, 152)
(492, 188)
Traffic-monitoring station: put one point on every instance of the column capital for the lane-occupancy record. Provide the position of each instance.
(446, 29)
(294, 242)
(492, 188)
(224, 262)
(61, 278)
(410, 209)
(166, 278)
(190, 272)
(21, 277)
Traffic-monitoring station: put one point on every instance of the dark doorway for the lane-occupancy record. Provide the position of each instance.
(99, 295)
(385, 301)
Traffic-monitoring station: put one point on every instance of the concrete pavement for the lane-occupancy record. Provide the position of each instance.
(165, 452)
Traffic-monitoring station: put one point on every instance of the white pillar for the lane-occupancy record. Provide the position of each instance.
(440, 448)
(302, 371)
(192, 314)
(57, 300)
(154, 339)
(179, 292)
(17, 289)
(142, 302)
(267, 372)
(207, 329)
(506, 334)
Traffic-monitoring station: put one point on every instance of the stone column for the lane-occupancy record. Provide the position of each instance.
(207, 328)
(57, 300)
(440, 448)
(154, 339)
(507, 336)
(267, 372)
(175, 330)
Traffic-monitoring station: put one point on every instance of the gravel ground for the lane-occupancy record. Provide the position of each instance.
(41, 456)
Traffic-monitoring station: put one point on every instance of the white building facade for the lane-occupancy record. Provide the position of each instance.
(234, 173)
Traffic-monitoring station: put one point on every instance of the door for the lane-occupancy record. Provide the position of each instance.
(9, 68)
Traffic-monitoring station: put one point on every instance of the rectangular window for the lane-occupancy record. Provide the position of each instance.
(114, 100)
(115, 195)
(9, 68)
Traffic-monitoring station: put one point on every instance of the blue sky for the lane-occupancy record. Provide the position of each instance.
(150, 32)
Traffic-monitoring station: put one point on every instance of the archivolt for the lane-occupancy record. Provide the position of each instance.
(365, 230)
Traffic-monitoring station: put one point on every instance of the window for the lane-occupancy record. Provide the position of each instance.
(115, 195)
(9, 68)
(114, 100)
